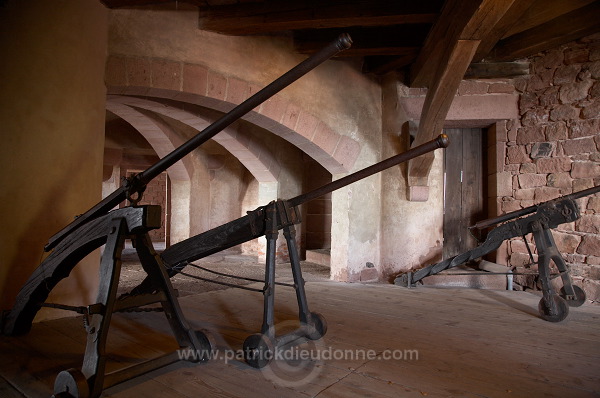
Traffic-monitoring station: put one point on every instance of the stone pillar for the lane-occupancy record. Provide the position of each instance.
(411, 232)
(52, 114)
(267, 192)
(180, 211)
(356, 226)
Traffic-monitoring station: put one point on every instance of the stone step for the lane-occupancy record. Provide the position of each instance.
(463, 276)
(319, 256)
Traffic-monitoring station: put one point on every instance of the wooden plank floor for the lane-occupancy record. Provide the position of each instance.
(444, 343)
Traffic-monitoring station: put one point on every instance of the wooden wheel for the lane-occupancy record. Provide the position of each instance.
(71, 383)
(579, 296)
(317, 326)
(258, 350)
(556, 312)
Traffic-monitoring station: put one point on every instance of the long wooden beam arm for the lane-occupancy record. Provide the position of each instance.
(253, 225)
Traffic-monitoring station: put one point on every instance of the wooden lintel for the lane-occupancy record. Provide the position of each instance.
(437, 103)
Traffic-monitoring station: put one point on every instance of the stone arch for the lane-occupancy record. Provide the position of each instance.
(158, 135)
(163, 140)
(197, 84)
(258, 161)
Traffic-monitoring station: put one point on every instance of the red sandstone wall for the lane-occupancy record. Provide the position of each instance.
(155, 194)
(554, 149)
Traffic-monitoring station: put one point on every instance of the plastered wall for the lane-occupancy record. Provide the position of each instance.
(52, 117)
(412, 232)
(336, 93)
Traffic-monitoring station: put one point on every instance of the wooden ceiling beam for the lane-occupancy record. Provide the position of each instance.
(437, 103)
(131, 3)
(273, 16)
(476, 70)
(454, 17)
(542, 11)
(561, 30)
(385, 40)
(510, 18)
(459, 20)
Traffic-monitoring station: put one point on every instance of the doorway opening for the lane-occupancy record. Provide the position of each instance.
(316, 226)
(464, 188)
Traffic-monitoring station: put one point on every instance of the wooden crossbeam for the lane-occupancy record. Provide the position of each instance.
(453, 19)
(558, 31)
(272, 16)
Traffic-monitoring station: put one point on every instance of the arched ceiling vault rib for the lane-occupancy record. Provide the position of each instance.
(200, 85)
(159, 137)
(261, 164)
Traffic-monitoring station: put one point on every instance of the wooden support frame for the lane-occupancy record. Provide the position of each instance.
(437, 103)
(448, 52)
(112, 229)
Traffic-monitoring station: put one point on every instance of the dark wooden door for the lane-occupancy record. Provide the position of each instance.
(464, 188)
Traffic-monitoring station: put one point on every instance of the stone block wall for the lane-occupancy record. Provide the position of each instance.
(554, 150)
